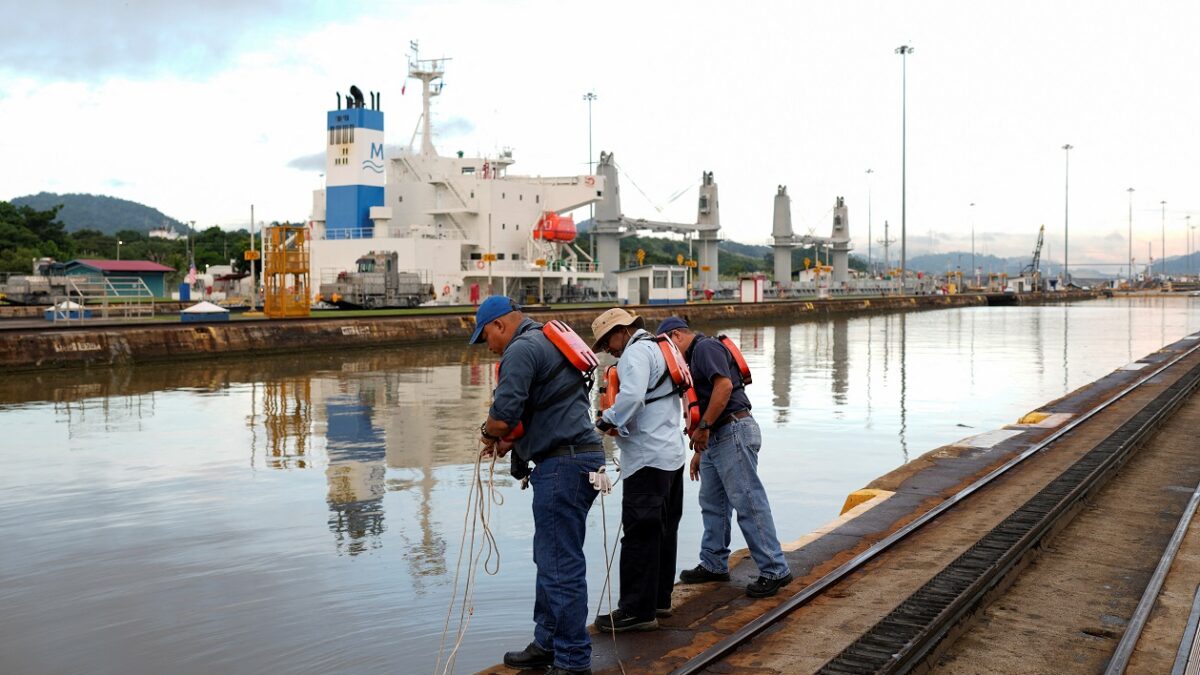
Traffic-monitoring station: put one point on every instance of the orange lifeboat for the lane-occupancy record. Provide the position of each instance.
(553, 227)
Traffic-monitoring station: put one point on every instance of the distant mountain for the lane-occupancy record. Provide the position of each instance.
(99, 212)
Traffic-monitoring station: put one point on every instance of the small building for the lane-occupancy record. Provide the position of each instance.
(151, 273)
(750, 287)
(203, 311)
(652, 285)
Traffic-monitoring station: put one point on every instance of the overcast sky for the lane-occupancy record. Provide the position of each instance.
(201, 109)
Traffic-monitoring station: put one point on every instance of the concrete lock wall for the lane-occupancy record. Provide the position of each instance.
(82, 347)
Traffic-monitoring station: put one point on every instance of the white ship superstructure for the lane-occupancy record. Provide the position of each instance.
(464, 223)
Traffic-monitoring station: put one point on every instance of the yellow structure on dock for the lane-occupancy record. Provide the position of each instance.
(286, 288)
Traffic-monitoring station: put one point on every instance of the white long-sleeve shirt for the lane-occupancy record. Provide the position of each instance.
(647, 434)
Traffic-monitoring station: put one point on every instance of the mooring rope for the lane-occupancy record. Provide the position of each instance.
(480, 499)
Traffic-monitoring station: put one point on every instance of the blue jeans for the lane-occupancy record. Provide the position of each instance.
(728, 482)
(562, 497)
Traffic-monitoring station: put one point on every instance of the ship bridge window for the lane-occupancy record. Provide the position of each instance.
(468, 170)
(472, 194)
(502, 195)
(537, 199)
(516, 256)
(476, 256)
(499, 256)
(520, 198)
(504, 226)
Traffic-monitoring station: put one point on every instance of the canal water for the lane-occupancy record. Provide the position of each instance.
(304, 514)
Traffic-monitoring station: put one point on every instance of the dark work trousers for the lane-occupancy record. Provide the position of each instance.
(651, 507)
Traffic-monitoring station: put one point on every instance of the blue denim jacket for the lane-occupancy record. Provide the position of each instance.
(555, 411)
(647, 434)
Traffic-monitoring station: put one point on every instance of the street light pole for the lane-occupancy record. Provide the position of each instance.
(904, 51)
(974, 269)
(870, 264)
(1066, 217)
(1130, 268)
(1162, 248)
(589, 97)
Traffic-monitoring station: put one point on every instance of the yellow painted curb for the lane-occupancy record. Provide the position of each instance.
(859, 496)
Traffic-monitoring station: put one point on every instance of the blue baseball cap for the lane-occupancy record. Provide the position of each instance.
(671, 323)
(493, 307)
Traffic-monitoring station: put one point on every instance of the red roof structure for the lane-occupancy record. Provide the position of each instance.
(122, 265)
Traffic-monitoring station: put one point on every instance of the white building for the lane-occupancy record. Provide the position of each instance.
(653, 285)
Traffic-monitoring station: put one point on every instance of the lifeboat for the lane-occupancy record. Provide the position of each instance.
(553, 227)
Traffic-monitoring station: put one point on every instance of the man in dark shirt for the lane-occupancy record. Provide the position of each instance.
(540, 389)
(726, 463)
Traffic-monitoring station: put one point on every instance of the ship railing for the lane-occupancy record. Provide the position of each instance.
(350, 233)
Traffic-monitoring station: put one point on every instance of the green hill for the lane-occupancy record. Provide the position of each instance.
(104, 214)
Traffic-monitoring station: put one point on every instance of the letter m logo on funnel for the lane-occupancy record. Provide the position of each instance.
(370, 164)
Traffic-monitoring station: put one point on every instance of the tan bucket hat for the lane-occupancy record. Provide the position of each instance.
(613, 318)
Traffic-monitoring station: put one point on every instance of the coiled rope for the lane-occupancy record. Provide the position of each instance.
(480, 499)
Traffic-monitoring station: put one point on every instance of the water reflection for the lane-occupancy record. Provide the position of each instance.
(356, 469)
(839, 364)
(781, 374)
(352, 462)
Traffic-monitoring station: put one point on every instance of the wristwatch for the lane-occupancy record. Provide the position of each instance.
(704, 425)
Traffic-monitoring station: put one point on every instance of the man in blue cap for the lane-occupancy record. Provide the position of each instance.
(726, 464)
(539, 388)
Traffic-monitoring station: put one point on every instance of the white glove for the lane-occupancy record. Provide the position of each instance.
(600, 481)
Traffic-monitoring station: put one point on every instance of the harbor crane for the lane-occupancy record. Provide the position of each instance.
(1034, 269)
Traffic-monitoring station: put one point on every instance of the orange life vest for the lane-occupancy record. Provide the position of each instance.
(676, 369)
(738, 359)
(577, 353)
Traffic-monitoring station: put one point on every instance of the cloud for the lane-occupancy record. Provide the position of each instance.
(455, 126)
(79, 40)
(116, 183)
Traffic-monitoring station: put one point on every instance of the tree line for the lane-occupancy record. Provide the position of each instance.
(27, 233)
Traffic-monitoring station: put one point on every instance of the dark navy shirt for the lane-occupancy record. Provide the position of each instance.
(554, 407)
(708, 359)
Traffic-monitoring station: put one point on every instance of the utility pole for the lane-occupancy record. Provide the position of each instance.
(904, 51)
(974, 269)
(870, 265)
(887, 243)
(1162, 248)
(1066, 216)
(589, 97)
(253, 260)
(1130, 191)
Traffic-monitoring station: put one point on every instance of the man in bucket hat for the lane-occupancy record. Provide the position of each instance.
(647, 417)
(551, 401)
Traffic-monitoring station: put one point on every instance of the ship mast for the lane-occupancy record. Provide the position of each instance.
(429, 72)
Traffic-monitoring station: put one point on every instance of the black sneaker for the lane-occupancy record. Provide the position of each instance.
(555, 670)
(663, 612)
(701, 574)
(763, 587)
(532, 657)
(620, 621)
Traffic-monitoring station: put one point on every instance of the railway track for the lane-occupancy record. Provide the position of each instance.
(906, 637)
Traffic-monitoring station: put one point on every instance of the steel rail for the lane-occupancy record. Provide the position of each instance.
(1016, 536)
(1133, 631)
(748, 632)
